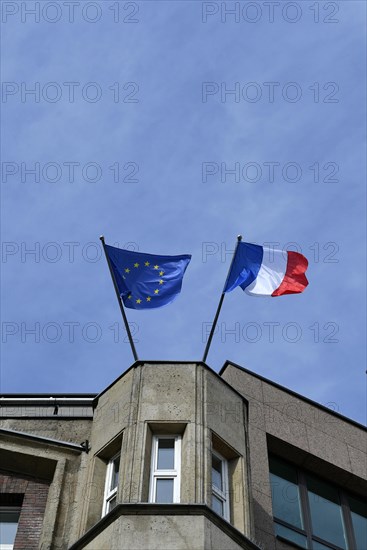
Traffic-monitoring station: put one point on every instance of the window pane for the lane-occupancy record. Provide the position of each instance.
(358, 511)
(217, 472)
(326, 513)
(112, 504)
(283, 469)
(286, 501)
(166, 454)
(164, 490)
(8, 526)
(217, 505)
(318, 546)
(285, 492)
(291, 535)
(115, 473)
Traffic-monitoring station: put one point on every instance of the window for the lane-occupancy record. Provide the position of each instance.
(220, 501)
(165, 469)
(112, 480)
(314, 514)
(9, 517)
(326, 512)
(359, 521)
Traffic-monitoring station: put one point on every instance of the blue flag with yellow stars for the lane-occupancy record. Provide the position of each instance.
(146, 281)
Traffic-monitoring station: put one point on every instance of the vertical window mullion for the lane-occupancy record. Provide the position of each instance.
(153, 467)
(305, 507)
(177, 465)
(226, 489)
(351, 541)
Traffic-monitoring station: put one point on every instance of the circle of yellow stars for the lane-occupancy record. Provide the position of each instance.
(160, 282)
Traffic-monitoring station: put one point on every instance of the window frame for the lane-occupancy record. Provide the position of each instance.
(110, 494)
(13, 509)
(222, 494)
(174, 474)
(306, 512)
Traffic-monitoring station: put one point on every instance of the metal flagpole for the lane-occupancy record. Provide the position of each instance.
(239, 239)
(120, 301)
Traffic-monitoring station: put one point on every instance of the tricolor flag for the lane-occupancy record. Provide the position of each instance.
(262, 271)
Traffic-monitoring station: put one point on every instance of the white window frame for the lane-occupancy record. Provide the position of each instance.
(222, 495)
(109, 494)
(174, 474)
(16, 509)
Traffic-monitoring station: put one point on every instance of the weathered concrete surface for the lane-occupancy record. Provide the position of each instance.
(167, 532)
(308, 435)
(186, 399)
(73, 430)
(65, 471)
(190, 400)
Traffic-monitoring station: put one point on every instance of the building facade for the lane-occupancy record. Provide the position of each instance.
(172, 455)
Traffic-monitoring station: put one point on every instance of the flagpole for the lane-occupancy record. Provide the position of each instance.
(119, 301)
(239, 239)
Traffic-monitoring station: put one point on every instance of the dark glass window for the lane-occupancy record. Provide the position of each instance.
(291, 535)
(318, 546)
(326, 512)
(358, 510)
(285, 492)
(313, 513)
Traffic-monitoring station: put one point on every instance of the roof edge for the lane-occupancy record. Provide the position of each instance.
(140, 363)
(293, 393)
(50, 395)
(45, 440)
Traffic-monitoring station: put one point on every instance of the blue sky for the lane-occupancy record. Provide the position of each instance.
(143, 90)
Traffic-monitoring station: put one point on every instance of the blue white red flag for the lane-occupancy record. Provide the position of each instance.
(262, 271)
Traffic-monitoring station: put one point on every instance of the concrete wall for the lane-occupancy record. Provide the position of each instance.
(243, 424)
(149, 532)
(187, 399)
(299, 431)
(68, 429)
(54, 513)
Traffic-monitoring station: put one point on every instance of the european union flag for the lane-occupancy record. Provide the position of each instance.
(146, 281)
